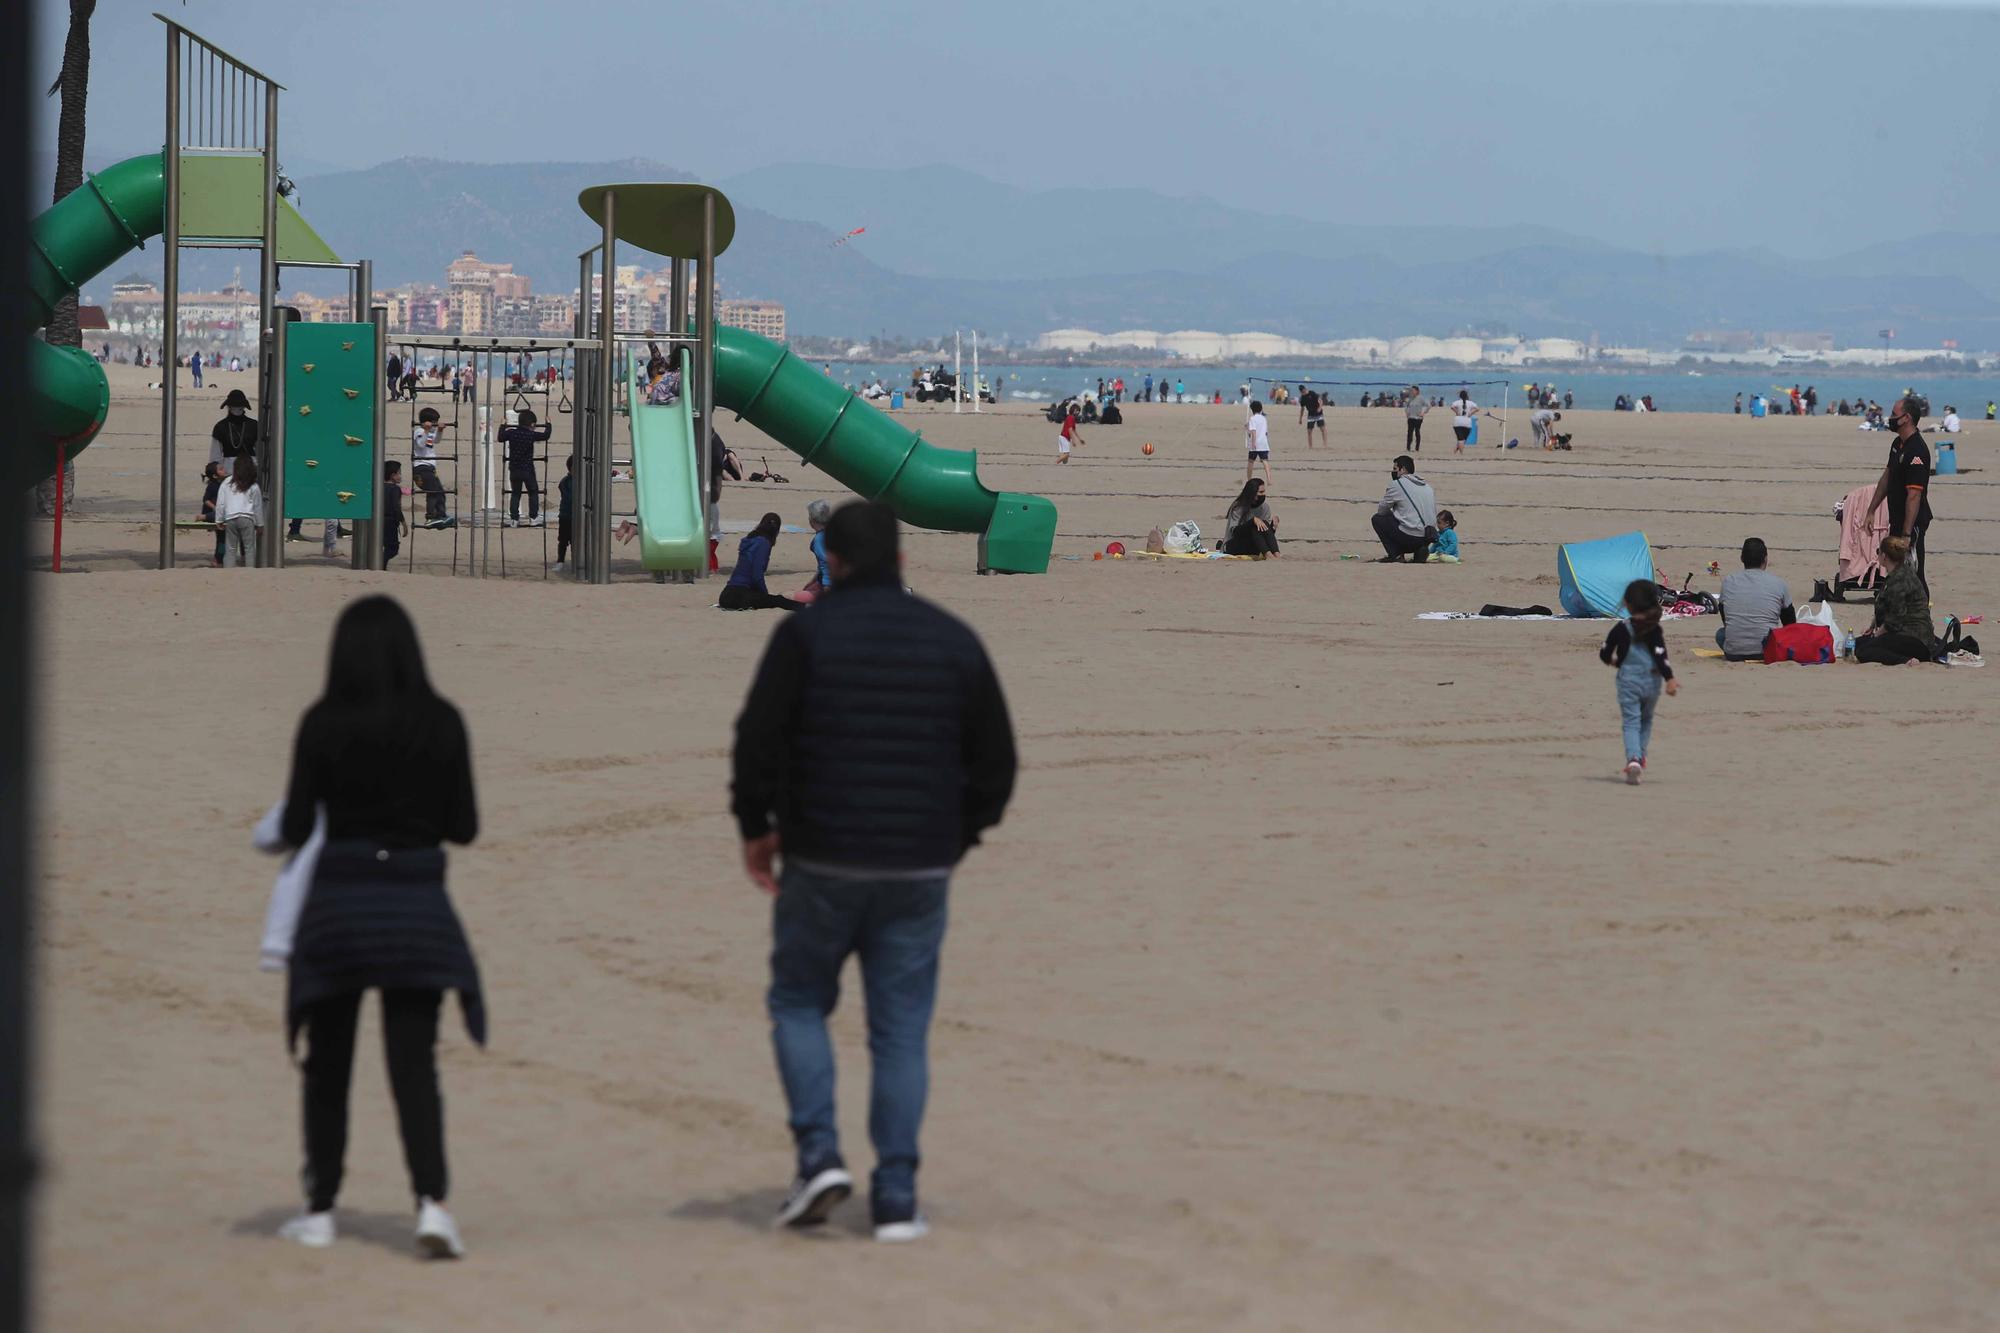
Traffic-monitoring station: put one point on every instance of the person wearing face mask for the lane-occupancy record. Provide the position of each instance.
(235, 434)
(1906, 479)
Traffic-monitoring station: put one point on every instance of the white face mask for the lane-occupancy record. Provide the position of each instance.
(235, 411)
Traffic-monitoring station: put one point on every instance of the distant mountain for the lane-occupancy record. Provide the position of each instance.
(946, 249)
(1973, 256)
(943, 222)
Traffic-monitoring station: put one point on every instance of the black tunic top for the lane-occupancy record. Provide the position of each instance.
(377, 914)
(398, 784)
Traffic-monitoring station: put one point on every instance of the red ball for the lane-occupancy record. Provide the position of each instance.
(1146, 449)
(1116, 548)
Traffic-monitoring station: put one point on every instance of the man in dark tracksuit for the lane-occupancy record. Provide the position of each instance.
(873, 750)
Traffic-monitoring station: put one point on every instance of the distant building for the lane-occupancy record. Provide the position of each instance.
(472, 285)
(766, 319)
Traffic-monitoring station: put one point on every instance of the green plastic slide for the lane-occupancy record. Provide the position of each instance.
(117, 210)
(831, 428)
(666, 471)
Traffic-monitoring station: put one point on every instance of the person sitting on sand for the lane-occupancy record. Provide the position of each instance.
(1902, 631)
(1446, 543)
(745, 590)
(1406, 520)
(1249, 527)
(1754, 602)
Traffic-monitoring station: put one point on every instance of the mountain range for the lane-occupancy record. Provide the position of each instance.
(946, 248)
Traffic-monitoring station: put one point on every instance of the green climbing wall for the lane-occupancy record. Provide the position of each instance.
(332, 375)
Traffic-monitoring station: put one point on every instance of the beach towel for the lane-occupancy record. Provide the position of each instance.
(288, 891)
(1861, 531)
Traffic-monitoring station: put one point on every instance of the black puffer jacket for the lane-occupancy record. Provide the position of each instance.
(875, 734)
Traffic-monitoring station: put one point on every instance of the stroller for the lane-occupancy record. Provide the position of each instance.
(1861, 531)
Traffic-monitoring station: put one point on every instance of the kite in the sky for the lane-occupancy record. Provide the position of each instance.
(845, 239)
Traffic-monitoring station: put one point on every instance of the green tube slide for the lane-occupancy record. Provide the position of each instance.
(875, 456)
(113, 212)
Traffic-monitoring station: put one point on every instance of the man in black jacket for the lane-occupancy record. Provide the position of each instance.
(874, 749)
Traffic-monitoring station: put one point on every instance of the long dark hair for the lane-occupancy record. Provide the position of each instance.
(767, 528)
(375, 664)
(1246, 500)
(245, 474)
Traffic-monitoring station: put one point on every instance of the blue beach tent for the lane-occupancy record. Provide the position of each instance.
(1594, 574)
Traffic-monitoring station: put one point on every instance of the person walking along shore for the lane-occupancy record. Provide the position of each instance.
(873, 750)
(387, 762)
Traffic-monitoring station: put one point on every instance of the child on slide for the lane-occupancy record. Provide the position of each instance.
(1638, 650)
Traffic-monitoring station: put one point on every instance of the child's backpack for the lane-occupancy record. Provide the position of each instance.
(1811, 645)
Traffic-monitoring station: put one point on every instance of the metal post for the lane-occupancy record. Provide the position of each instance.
(272, 465)
(704, 318)
(267, 315)
(19, 790)
(677, 295)
(607, 397)
(975, 374)
(489, 511)
(170, 296)
(957, 373)
(579, 428)
(378, 318)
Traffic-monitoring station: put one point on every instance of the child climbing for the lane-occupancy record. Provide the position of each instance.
(423, 466)
(1638, 650)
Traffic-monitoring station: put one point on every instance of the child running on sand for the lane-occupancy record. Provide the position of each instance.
(1638, 650)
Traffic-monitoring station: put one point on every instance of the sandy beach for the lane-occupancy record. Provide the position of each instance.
(1321, 976)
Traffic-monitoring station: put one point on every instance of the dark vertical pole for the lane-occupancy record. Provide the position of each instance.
(19, 469)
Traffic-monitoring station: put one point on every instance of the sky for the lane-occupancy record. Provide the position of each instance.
(1658, 125)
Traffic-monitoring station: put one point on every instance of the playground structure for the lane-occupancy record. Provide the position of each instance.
(828, 426)
(217, 185)
(321, 407)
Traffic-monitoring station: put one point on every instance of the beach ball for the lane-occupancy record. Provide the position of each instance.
(1146, 449)
(1115, 550)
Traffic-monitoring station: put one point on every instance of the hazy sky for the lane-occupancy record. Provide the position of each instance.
(1664, 126)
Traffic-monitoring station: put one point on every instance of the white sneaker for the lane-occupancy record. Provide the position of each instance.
(437, 1234)
(558, 567)
(1632, 772)
(897, 1233)
(813, 1198)
(313, 1230)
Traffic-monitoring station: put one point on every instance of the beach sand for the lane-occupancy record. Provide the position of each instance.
(1321, 976)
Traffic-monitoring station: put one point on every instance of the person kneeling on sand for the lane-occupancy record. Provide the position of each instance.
(1249, 527)
(1754, 602)
(745, 590)
(1406, 520)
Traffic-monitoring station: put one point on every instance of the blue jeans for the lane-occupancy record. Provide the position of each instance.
(897, 928)
(1638, 696)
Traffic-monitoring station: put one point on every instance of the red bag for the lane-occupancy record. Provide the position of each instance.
(1810, 644)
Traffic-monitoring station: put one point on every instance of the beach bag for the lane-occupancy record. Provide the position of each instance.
(1811, 645)
(1184, 537)
(1156, 541)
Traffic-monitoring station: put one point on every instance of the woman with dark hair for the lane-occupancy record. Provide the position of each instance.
(745, 590)
(1249, 527)
(1902, 631)
(234, 435)
(388, 762)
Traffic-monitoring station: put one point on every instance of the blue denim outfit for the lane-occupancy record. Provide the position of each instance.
(1638, 695)
(896, 926)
